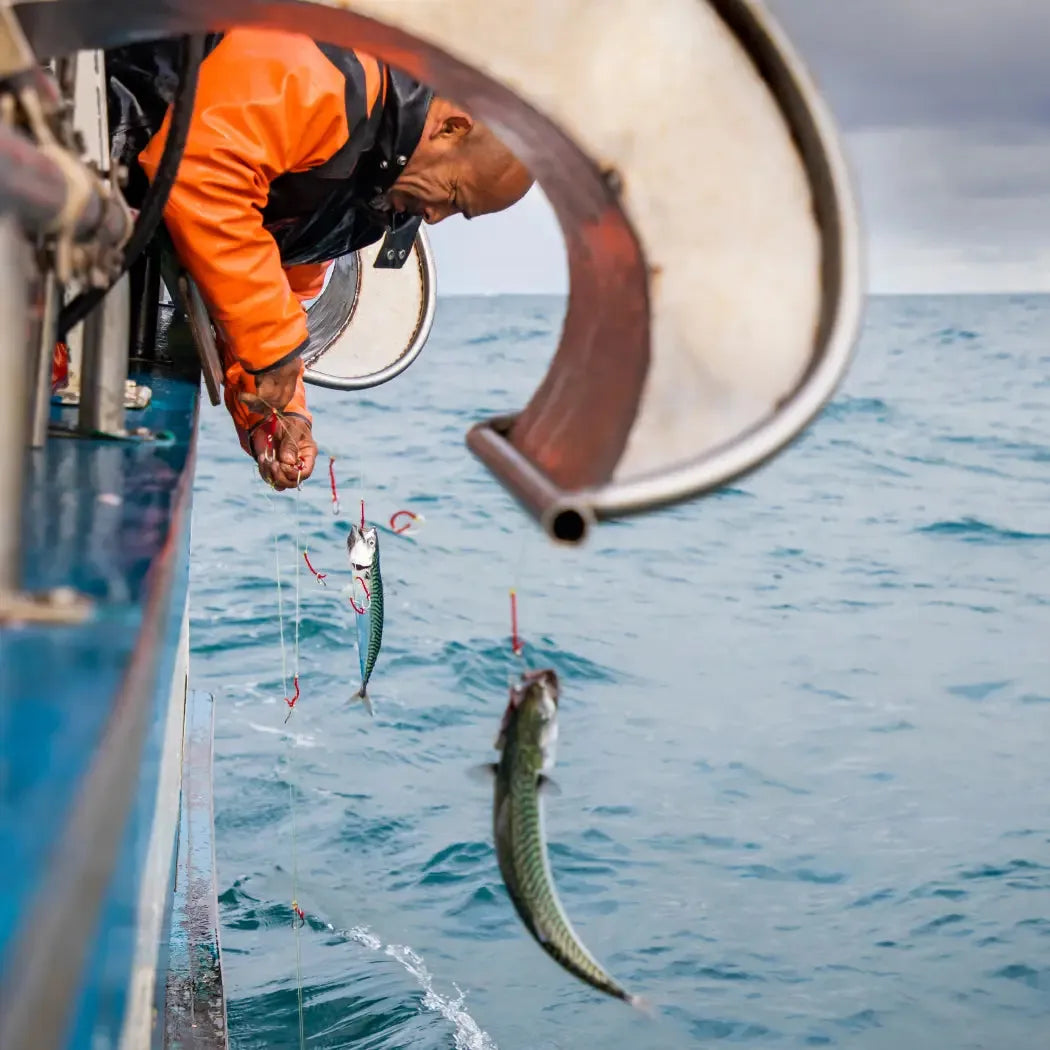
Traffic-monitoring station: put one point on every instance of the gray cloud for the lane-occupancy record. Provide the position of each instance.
(945, 110)
(917, 62)
(947, 210)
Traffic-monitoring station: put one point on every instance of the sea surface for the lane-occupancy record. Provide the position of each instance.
(805, 724)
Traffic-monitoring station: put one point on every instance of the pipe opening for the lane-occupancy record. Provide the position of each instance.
(568, 525)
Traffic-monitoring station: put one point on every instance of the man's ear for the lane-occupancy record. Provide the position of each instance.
(454, 127)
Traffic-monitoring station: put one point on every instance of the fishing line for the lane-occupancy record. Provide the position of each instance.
(298, 918)
(280, 605)
(298, 567)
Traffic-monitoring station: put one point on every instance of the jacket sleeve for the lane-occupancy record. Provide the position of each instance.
(267, 103)
(307, 280)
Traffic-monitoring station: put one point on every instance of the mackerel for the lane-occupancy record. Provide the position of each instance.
(526, 741)
(363, 547)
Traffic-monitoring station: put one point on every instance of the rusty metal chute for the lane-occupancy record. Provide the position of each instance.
(710, 229)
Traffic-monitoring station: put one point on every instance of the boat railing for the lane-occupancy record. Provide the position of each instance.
(60, 221)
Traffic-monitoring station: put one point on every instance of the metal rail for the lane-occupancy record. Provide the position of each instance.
(14, 401)
(38, 189)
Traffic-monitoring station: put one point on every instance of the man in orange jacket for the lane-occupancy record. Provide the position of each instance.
(297, 153)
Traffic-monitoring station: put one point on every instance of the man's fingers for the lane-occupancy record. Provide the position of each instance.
(309, 458)
(264, 471)
(294, 455)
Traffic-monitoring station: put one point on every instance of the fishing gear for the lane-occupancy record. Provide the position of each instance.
(515, 642)
(400, 529)
(331, 481)
(319, 576)
(298, 916)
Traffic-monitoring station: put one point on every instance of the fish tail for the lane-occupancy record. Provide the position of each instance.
(642, 1004)
(365, 699)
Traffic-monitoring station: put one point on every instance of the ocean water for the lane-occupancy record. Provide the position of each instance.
(805, 724)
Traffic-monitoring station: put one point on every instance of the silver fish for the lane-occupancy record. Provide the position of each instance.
(363, 547)
(527, 740)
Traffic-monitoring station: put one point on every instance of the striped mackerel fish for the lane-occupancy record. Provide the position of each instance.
(526, 742)
(363, 547)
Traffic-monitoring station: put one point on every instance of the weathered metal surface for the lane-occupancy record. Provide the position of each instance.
(195, 1004)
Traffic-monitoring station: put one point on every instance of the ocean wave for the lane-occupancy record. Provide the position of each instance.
(466, 1032)
(846, 407)
(948, 336)
(973, 530)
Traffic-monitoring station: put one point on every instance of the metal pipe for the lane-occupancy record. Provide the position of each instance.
(45, 354)
(14, 398)
(563, 515)
(34, 187)
(16, 56)
(103, 381)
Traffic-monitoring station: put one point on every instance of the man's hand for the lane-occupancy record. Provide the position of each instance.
(293, 448)
(277, 386)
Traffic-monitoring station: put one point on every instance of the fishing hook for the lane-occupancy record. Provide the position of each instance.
(291, 702)
(360, 612)
(319, 576)
(331, 481)
(515, 642)
(398, 529)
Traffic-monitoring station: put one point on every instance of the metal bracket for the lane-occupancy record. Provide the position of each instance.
(61, 606)
(137, 396)
(397, 244)
(138, 436)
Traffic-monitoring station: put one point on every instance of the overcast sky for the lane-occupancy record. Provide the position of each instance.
(945, 112)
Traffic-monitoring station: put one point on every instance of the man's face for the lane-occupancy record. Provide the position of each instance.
(449, 175)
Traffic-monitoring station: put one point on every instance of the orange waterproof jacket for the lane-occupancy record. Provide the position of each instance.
(283, 132)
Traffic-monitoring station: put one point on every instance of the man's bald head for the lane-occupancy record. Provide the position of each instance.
(460, 166)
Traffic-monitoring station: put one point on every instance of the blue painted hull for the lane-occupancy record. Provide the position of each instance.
(93, 753)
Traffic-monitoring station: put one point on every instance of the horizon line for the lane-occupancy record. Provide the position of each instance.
(992, 293)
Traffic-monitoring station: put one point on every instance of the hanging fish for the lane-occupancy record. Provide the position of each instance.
(363, 547)
(527, 740)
